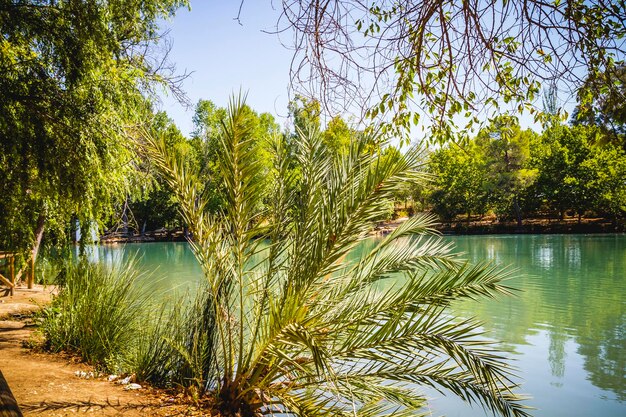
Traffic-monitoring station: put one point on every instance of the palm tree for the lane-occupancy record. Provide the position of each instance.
(298, 329)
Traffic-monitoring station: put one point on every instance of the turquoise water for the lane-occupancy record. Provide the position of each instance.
(565, 331)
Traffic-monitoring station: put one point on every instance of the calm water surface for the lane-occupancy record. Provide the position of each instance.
(565, 331)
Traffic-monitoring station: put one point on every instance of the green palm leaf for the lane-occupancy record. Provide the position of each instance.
(299, 328)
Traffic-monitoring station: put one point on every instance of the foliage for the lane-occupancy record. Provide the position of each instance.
(153, 204)
(73, 74)
(305, 113)
(604, 107)
(459, 182)
(519, 173)
(453, 61)
(299, 329)
(506, 149)
(96, 313)
(102, 314)
(209, 121)
(336, 136)
(577, 173)
(608, 183)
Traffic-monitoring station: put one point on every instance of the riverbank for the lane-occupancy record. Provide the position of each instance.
(531, 226)
(475, 227)
(54, 384)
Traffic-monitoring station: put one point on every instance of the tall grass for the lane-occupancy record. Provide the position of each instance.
(97, 312)
(172, 348)
(103, 315)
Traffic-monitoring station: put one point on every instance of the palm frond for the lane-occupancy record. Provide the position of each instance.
(301, 329)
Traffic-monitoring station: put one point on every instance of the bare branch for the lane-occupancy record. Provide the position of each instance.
(444, 58)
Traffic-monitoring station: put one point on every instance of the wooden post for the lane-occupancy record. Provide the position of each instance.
(8, 405)
(31, 275)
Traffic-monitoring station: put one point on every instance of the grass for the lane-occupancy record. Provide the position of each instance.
(96, 314)
(102, 315)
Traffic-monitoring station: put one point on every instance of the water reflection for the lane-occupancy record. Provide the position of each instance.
(574, 291)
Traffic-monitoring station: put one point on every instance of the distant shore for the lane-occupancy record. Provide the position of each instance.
(532, 226)
(475, 227)
(529, 226)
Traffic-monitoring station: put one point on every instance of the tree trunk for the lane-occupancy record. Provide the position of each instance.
(518, 212)
(41, 223)
(125, 218)
(8, 405)
(85, 227)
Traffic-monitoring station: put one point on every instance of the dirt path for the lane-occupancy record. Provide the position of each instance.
(46, 385)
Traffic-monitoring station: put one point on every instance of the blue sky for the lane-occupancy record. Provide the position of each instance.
(226, 56)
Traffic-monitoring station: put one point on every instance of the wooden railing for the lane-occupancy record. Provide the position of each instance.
(7, 264)
(8, 258)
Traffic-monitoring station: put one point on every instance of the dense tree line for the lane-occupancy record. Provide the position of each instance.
(575, 169)
(515, 173)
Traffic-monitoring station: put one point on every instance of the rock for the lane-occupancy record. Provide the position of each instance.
(11, 325)
(124, 381)
(18, 309)
(85, 375)
(132, 386)
(112, 378)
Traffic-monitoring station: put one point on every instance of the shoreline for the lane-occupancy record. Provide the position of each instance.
(540, 226)
(532, 226)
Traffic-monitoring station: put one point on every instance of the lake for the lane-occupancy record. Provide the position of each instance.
(565, 330)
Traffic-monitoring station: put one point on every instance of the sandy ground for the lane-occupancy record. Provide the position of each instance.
(46, 384)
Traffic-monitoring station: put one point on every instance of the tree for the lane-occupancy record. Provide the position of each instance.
(209, 122)
(403, 59)
(73, 75)
(506, 151)
(294, 327)
(458, 186)
(604, 107)
(607, 184)
(564, 179)
(337, 136)
(153, 204)
(305, 113)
